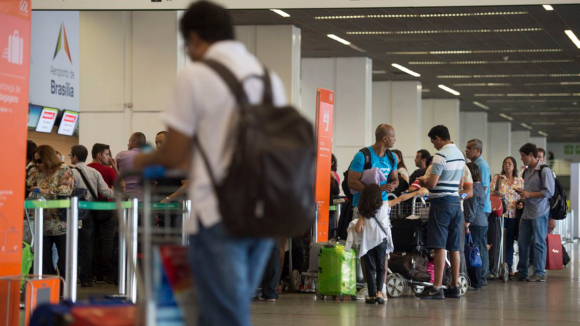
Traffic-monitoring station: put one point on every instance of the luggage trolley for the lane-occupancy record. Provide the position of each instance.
(502, 266)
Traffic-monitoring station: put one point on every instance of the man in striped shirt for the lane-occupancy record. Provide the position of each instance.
(445, 217)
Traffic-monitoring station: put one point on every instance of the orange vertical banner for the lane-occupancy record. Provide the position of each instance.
(324, 121)
(14, 75)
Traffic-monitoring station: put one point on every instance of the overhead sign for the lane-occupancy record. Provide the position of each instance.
(323, 125)
(68, 123)
(54, 63)
(47, 119)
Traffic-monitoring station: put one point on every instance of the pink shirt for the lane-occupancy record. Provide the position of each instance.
(125, 161)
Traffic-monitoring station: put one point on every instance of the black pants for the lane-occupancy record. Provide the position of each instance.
(478, 234)
(493, 238)
(375, 268)
(47, 265)
(101, 223)
(272, 274)
(511, 228)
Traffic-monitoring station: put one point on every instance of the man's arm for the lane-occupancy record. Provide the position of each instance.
(102, 187)
(354, 182)
(182, 190)
(392, 182)
(171, 155)
(468, 190)
(431, 182)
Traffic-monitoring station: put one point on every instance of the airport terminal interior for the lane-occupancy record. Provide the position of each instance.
(505, 73)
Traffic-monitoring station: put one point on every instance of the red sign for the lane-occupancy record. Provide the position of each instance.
(70, 118)
(48, 115)
(324, 120)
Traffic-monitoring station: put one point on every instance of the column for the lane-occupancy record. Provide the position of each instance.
(351, 80)
(439, 112)
(540, 142)
(399, 104)
(474, 126)
(519, 138)
(278, 48)
(499, 145)
(575, 199)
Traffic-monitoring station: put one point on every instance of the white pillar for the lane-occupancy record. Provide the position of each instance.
(350, 79)
(500, 135)
(474, 126)
(439, 112)
(575, 198)
(278, 48)
(519, 138)
(399, 104)
(540, 142)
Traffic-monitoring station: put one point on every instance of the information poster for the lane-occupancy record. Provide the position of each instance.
(324, 121)
(47, 120)
(68, 123)
(14, 75)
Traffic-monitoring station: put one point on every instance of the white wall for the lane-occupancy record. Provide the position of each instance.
(439, 112)
(499, 147)
(474, 126)
(519, 139)
(560, 154)
(541, 142)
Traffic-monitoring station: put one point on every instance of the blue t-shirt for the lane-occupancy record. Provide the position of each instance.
(383, 163)
(485, 181)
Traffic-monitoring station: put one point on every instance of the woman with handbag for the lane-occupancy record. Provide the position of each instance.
(476, 227)
(506, 185)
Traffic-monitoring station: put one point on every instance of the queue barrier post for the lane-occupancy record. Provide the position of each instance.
(72, 236)
(38, 240)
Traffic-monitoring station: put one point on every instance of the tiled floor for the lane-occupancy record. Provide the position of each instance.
(556, 302)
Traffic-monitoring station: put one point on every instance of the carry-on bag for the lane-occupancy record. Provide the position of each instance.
(472, 254)
(411, 266)
(336, 271)
(408, 235)
(92, 313)
(554, 259)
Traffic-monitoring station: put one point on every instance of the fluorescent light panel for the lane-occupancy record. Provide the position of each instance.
(474, 51)
(281, 13)
(336, 38)
(482, 84)
(410, 72)
(526, 94)
(487, 62)
(465, 14)
(527, 126)
(508, 76)
(573, 37)
(379, 72)
(543, 133)
(481, 105)
(505, 116)
(447, 31)
(447, 89)
(548, 7)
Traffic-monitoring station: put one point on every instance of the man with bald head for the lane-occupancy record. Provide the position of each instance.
(380, 157)
(125, 163)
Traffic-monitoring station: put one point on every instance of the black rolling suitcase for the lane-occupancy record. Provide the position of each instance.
(409, 235)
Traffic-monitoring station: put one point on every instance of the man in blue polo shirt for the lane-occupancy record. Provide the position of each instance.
(445, 216)
(385, 140)
(473, 151)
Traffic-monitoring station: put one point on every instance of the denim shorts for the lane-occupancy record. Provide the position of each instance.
(443, 227)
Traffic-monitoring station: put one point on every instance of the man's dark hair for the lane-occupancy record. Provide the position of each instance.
(162, 132)
(98, 148)
(211, 22)
(80, 152)
(529, 148)
(139, 137)
(474, 169)
(424, 153)
(428, 161)
(541, 150)
(439, 131)
(30, 148)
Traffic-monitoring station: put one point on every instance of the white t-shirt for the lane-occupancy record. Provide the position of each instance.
(203, 106)
(372, 235)
(404, 172)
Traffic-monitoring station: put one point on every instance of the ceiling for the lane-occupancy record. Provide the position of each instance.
(515, 60)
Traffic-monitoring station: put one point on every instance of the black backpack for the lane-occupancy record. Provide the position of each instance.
(268, 188)
(558, 204)
(367, 153)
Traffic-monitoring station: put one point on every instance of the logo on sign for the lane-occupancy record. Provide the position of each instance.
(23, 7)
(62, 42)
(48, 115)
(70, 118)
(331, 97)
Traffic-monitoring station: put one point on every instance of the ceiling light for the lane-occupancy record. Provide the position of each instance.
(573, 37)
(547, 123)
(526, 94)
(475, 51)
(354, 47)
(426, 90)
(548, 7)
(505, 116)
(543, 133)
(281, 13)
(447, 31)
(467, 14)
(447, 89)
(527, 126)
(481, 105)
(336, 38)
(487, 62)
(508, 76)
(410, 72)
(379, 72)
(482, 84)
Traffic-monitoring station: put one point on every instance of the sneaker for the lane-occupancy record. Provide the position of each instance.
(431, 294)
(370, 300)
(362, 293)
(380, 300)
(520, 278)
(537, 278)
(452, 292)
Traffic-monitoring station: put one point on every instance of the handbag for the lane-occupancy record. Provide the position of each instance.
(497, 207)
(472, 254)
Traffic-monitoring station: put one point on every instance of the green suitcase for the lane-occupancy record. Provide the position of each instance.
(337, 272)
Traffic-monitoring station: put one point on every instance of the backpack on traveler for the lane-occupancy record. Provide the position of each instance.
(558, 204)
(268, 188)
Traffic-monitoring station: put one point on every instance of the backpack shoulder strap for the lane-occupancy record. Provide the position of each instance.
(367, 153)
(391, 157)
(381, 226)
(230, 79)
(95, 197)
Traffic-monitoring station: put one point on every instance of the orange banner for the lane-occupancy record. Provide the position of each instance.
(324, 120)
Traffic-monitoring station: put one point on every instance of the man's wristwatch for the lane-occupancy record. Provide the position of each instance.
(168, 198)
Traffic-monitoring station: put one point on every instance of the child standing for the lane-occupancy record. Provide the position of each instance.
(377, 241)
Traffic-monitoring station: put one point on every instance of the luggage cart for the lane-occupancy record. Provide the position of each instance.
(502, 266)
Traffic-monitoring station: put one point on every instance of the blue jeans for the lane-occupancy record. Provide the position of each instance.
(227, 270)
(537, 230)
(479, 236)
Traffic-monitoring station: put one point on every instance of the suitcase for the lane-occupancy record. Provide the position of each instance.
(554, 257)
(412, 266)
(408, 235)
(337, 271)
(94, 313)
(314, 256)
